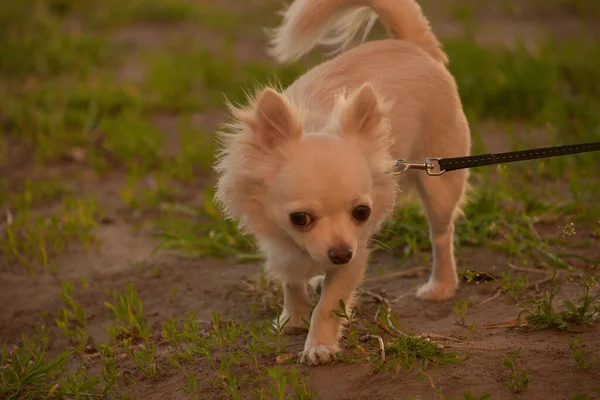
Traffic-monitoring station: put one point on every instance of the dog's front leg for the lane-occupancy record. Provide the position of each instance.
(325, 326)
(296, 308)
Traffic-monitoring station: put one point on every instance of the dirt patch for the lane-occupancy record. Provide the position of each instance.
(169, 286)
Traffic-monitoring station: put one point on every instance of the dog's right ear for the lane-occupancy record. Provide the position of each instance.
(273, 121)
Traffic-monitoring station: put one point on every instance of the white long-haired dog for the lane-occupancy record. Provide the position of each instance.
(307, 171)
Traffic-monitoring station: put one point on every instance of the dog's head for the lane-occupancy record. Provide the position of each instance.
(325, 192)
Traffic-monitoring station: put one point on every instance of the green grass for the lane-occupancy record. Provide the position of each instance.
(407, 350)
(72, 319)
(35, 42)
(205, 233)
(581, 357)
(35, 241)
(29, 371)
(541, 312)
(64, 96)
(127, 313)
(54, 116)
(466, 395)
(187, 78)
(518, 378)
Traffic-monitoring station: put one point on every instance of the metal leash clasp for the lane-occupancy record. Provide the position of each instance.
(431, 165)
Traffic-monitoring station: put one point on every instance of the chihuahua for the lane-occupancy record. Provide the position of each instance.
(309, 170)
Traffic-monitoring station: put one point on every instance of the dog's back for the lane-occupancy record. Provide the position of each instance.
(409, 70)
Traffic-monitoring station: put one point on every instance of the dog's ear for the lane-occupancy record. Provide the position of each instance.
(362, 112)
(274, 121)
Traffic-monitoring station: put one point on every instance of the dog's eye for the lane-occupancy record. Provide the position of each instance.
(361, 213)
(300, 219)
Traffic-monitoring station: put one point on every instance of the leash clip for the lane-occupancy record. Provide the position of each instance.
(431, 165)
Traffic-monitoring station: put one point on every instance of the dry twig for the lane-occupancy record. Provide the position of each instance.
(524, 269)
(404, 295)
(406, 272)
(388, 307)
(458, 346)
(381, 344)
(496, 294)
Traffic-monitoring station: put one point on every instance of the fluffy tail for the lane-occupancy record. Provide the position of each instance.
(307, 23)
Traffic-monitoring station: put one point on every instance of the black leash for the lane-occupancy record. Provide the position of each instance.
(438, 166)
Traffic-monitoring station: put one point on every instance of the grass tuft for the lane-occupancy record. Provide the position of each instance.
(34, 241)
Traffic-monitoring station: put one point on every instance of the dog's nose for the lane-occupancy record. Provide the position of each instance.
(340, 255)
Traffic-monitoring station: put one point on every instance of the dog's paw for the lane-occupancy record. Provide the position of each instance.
(437, 291)
(319, 354)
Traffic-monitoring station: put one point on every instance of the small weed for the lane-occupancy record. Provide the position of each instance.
(406, 350)
(72, 313)
(28, 370)
(146, 191)
(475, 396)
(170, 332)
(460, 309)
(193, 388)
(127, 314)
(109, 368)
(582, 359)
(79, 385)
(346, 315)
(588, 305)
(37, 240)
(581, 396)
(541, 313)
(138, 265)
(213, 236)
(515, 285)
(285, 382)
(465, 395)
(518, 378)
(144, 357)
(586, 396)
(470, 331)
(75, 310)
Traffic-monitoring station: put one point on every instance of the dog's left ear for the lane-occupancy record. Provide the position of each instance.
(274, 121)
(362, 113)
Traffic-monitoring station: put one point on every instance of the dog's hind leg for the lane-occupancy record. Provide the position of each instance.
(296, 308)
(441, 196)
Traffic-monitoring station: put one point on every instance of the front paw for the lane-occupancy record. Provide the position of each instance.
(319, 354)
(437, 291)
